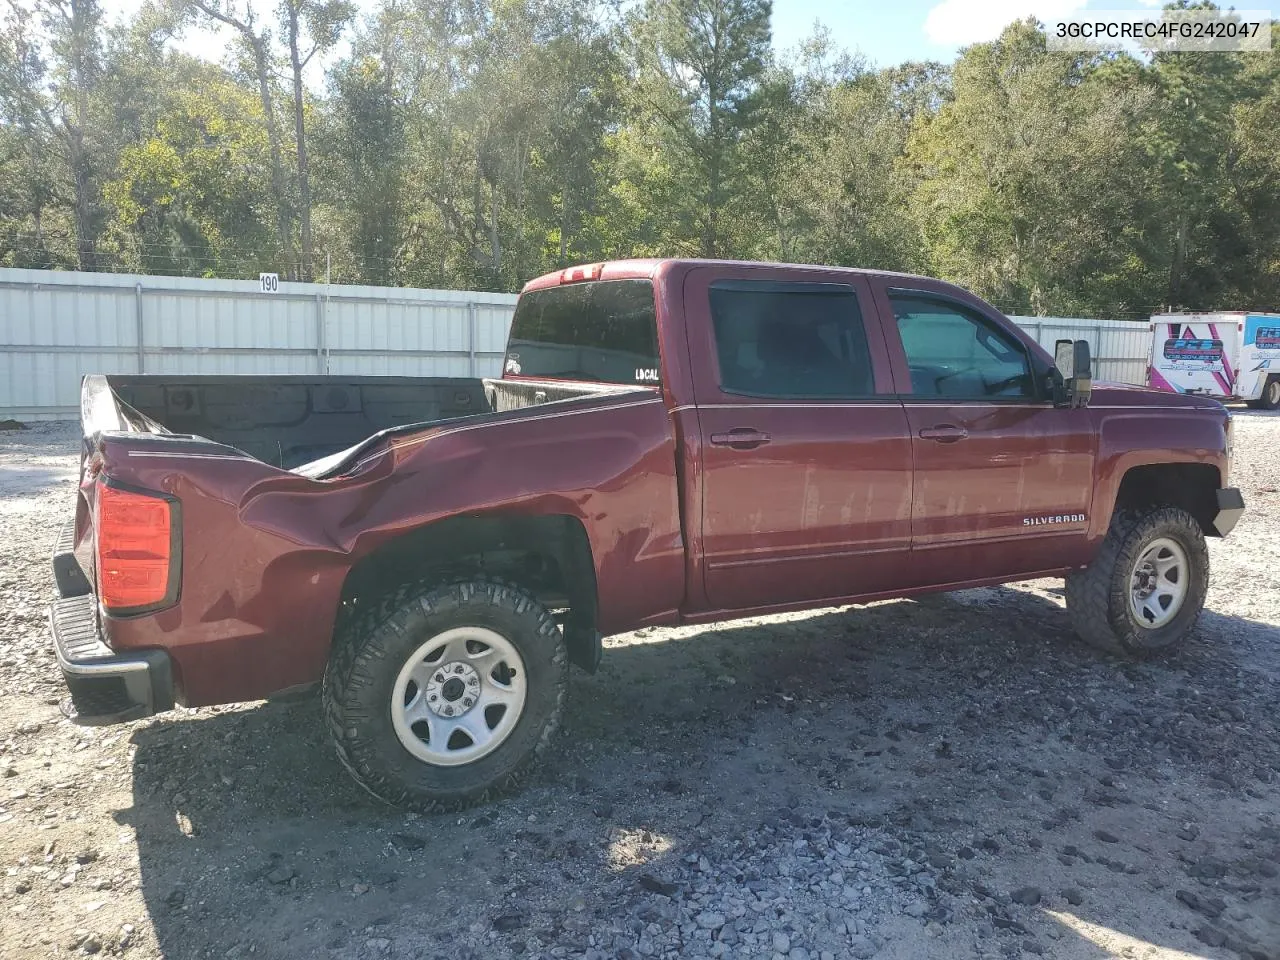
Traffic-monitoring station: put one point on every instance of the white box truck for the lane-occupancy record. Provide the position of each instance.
(1230, 356)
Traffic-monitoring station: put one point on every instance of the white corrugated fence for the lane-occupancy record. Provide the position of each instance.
(1119, 347)
(57, 326)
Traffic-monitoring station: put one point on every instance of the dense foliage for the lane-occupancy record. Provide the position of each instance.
(476, 143)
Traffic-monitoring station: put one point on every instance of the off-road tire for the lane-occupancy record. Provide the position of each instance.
(1098, 596)
(368, 654)
(1270, 399)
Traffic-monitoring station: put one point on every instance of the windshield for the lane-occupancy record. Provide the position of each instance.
(603, 330)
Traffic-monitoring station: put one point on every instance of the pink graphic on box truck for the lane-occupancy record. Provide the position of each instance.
(1227, 377)
(1192, 357)
(1159, 382)
(1232, 355)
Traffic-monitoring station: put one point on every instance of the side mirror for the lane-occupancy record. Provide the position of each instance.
(1073, 361)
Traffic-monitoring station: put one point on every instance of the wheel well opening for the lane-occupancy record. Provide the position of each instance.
(1191, 486)
(548, 556)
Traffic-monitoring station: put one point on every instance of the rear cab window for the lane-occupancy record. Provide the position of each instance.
(601, 330)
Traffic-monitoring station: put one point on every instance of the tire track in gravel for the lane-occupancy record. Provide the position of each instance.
(950, 777)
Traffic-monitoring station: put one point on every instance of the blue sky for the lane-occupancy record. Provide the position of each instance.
(891, 31)
(886, 32)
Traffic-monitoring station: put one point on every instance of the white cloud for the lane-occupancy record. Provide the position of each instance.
(959, 22)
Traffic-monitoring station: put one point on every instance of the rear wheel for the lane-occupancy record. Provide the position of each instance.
(442, 696)
(1143, 593)
(1270, 399)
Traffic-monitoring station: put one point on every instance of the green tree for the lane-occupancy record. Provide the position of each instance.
(257, 41)
(49, 78)
(698, 67)
(841, 194)
(1189, 142)
(1255, 177)
(1023, 175)
(505, 107)
(309, 27)
(194, 196)
(363, 159)
(576, 71)
(476, 143)
(29, 187)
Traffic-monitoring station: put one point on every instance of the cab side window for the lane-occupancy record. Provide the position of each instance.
(790, 340)
(956, 353)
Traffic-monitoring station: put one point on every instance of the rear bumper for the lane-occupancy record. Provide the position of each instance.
(105, 687)
(1230, 509)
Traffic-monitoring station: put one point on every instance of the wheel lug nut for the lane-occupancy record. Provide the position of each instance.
(467, 702)
(440, 678)
(448, 711)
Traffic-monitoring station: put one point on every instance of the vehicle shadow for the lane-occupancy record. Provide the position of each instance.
(24, 479)
(42, 438)
(968, 720)
(35, 460)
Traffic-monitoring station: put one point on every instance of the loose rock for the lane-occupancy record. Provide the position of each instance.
(1027, 896)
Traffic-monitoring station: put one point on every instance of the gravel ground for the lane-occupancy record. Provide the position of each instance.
(953, 777)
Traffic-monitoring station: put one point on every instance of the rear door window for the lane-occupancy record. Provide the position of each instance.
(790, 340)
(602, 330)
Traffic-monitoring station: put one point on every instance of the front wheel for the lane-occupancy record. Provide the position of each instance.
(1143, 593)
(442, 696)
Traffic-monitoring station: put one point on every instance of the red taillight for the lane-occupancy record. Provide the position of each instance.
(576, 274)
(134, 533)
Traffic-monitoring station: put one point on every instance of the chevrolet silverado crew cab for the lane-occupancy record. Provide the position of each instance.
(670, 442)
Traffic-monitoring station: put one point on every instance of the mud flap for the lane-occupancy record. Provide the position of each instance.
(1230, 510)
(585, 646)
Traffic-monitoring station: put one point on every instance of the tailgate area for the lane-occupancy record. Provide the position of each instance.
(105, 687)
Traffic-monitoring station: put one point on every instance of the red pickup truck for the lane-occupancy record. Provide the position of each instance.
(671, 441)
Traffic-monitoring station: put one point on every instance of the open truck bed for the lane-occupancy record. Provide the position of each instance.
(309, 425)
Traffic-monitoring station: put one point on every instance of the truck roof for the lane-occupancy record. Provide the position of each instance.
(652, 267)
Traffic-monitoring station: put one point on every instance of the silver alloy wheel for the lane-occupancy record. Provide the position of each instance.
(458, 696)
(1271, 394)
(1158, 583)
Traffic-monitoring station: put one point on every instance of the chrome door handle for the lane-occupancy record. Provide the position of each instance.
(740, 438)
(944, 433)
